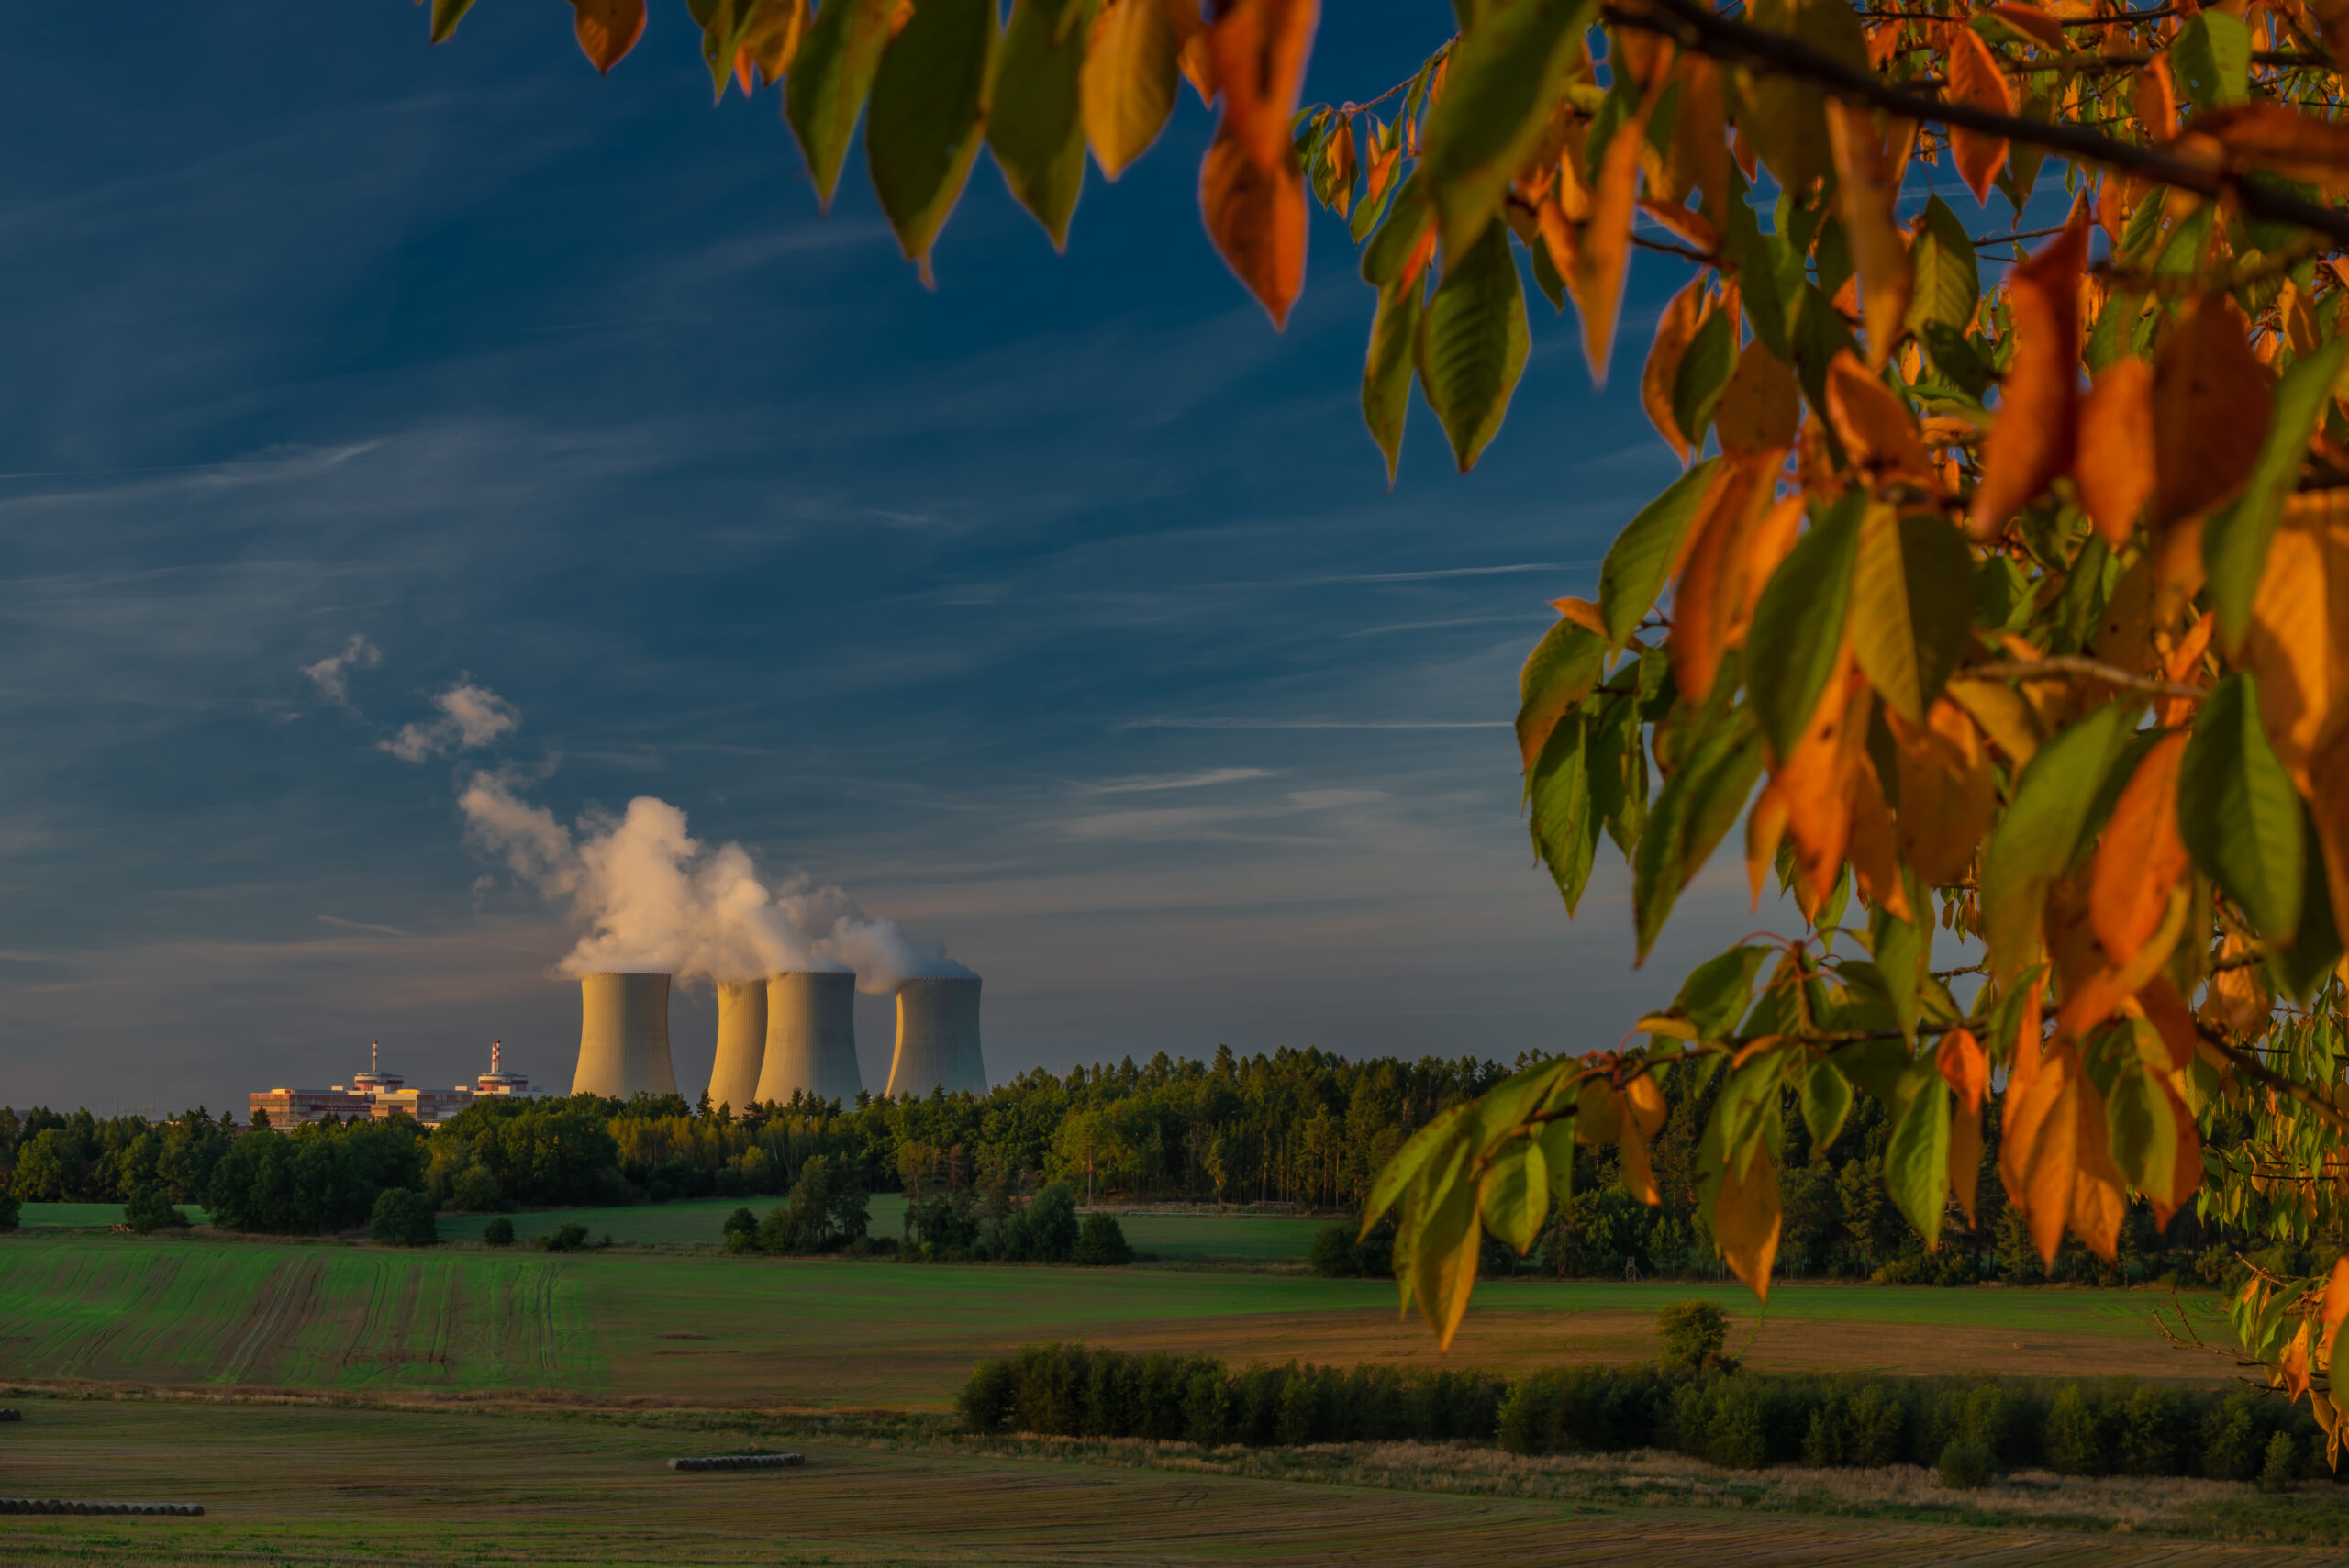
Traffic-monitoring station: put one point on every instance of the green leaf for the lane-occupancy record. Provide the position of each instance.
(1770, 274)
(1410, 1161)
(1547, 278)
(2299, 969)
(1718, 991)
(1954, 358)
(1704, 372)
(1640, 558)
(1901, 950)
(2238, 813)
(1916, 1162)
(2211, 59)
(1506, 73)
(1619, 774)
(1565, 666)
(1907, 627)
(1558, 809)
(724, 25)
(1557, 1140)
(1473, 343)
(1946, 282)
(1387, 370)
(1408, 218)
(2234, 544)
(2033, 844)
(825, 89)
(1784, 116)
(1698, 805)
(1513, 1195)
(1820, 334)
(1826, 1101)
(1799, 623)
(929, 99)
(2143, 1125)
(445, 15)
(1034, 126)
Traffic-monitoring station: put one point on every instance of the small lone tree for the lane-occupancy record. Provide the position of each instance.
(403, 1217)
(1694, 1333)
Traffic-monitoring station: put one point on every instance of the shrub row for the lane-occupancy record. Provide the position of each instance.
(1740, 1421)
(1075, 1391)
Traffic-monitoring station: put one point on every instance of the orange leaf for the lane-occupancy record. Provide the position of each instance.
(1746, 1218)
(1814, 783)
(2142, 858)
(1868, 187)
(607, 30)
(2099, 1197)
(2295, 641)
(1698, 145)
(1766, 826)
(1964, 1067)
(1875, 424)
(1638, 1173)
(1582, 612)
(1605, 251)
(1761, 406)
(1876, 860)
(2297, 145)
(1256, 218)
(1948, 790)
(2292, 1367)
(1259, 48)
(2336, 1304)
(2039, 1153)
(2210, 409)
(2031, 442)
(2034, 23)
(1674, 330)
(1707, 606)
(1646, 1103)
(2114, 465)
(2166, 1011)
(1976, 80)
(1965, 1159)
(2185, 1163)
(2155, 99)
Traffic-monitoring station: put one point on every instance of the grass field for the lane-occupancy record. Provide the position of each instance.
(706, 1328)
(313, 1486)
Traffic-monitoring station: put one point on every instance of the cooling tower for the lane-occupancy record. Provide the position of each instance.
(811, 1037)
(937, 1039)
(624, 1036)
(741, 1043)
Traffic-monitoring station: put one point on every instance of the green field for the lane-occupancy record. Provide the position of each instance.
(52, 1215)
(704, 1328)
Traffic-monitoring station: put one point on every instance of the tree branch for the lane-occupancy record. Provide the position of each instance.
(2065, 666)
(2259, 1072)
(1694, 27)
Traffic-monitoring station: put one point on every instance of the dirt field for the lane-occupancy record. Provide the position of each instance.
(310, 1485)
(700, 1329)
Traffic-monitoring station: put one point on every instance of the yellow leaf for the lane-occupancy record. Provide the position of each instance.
(1639, 1175)
(1604, 251)
(1126, 90)
(1746, 1218)
(2003, 714)
(1876, 423)
(1646, 1103)
(1867, 188)
(1963, 1067)
(2115, 464)
(2142, 859)
(2031, 443)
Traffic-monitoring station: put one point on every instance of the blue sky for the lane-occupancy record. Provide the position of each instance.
(1063, 614)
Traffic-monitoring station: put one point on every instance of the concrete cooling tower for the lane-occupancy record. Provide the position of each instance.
(624, 1036)
(741, 1043)
(811, 1037)
(937, 1039)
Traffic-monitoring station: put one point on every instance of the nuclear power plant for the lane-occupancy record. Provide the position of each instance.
(624, 1036)
(788, 1034)
(741, 1042)
(937, 1039)
(811, 1037)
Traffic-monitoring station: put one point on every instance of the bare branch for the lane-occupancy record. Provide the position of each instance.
(2067, 666)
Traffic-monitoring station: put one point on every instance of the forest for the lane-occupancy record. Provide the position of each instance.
(1308, 1128)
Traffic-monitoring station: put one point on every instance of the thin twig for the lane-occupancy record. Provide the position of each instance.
(1683, 251)
(2260, 1073)
(2122, 20)
(2064, 666)
(1706, 32)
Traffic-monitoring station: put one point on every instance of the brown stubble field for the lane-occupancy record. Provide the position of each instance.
(304, 1484)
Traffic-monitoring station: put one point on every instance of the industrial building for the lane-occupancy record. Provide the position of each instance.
(742, 1031)
(380, 1094)
(624, 1036)
(811, 1039)
(937, 1039)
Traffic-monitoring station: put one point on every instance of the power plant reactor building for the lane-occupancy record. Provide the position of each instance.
(811, 1037)
(742, 1034)
(937, 1039)
(624, 1036)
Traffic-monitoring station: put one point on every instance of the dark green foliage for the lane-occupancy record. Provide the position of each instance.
(996, 1226)
(1332, 1253)
(1102, 1241)
(741, 1231)
(149, 1208)
(2233, 1439)
(12, 1211)
(1693, 1333)
(2080, 1431)
(827, 1213)
(569, 1237)
(403, 1218)
(1966, 1464)
(87, 1159)
(319, 1178)
(2281, 1467)
(498, 1232)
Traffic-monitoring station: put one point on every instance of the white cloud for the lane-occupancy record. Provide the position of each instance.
(471, 716)
(332, 673)
(1203, 780)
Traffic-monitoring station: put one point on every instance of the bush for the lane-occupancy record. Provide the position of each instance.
(1332, 1254)
(12, 1211)
(2233, 1440)
(1101, 1242)
(742, 1230)
(475, 1190)
(403, 1217)
(2075, 1434)
(1966, 1464)
(2282, 1466)
(149, 1209)
(498, 1232)
(1694, 1332)
(569, 1237)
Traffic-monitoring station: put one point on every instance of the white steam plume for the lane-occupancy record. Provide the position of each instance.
(470, 716)
(332, 673)
(648, 896)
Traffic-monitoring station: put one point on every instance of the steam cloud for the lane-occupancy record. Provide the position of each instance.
(332, 674)
(470, 716)
(648, 896)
